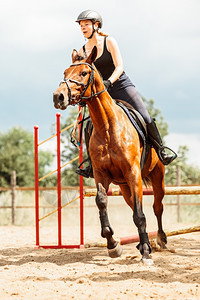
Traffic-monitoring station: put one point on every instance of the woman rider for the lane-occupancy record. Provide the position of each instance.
(110, 65)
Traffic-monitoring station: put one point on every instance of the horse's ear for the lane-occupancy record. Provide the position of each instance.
(74, 55)
(91, 58)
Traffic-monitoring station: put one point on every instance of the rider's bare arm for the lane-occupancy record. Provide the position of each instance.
(117, 59)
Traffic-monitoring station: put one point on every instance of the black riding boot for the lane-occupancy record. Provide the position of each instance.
(88, 171)
(156, 141)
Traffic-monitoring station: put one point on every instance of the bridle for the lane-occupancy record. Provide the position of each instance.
(89, 82)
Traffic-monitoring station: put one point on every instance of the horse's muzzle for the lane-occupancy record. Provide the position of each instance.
(59, 100)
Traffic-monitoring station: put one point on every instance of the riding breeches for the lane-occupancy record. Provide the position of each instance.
(123, 89)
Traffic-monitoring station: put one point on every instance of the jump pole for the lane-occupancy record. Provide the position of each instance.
(152, 235)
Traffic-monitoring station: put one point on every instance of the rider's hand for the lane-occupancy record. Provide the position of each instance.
(107, 84)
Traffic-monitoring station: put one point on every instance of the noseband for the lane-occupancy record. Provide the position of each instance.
(81, 95)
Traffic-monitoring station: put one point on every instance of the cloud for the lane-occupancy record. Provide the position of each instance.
(35, 25)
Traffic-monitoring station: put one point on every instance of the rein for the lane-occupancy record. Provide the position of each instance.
(81, 95)
(74, 139)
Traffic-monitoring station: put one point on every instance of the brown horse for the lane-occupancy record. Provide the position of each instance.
(115, 149)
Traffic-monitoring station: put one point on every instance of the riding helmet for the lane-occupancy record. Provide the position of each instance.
(90, 15)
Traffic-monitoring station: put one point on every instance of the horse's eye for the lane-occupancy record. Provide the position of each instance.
(84, 73)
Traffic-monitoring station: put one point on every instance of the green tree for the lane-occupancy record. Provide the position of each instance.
(189, 174)
(157, 115)
(17, 153)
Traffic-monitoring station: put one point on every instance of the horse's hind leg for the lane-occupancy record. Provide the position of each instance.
(157, 180)
(134, 200)
(114, 249)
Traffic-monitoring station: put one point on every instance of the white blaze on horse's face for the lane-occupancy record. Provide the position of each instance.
(60, 97)
(70, 88)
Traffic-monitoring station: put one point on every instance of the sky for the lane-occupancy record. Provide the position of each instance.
(159, 41)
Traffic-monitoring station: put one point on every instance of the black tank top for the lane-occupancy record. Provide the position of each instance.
(104, 63)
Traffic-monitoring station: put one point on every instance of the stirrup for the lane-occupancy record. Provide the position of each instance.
(87, 172)
(84, 172)
(160, 149)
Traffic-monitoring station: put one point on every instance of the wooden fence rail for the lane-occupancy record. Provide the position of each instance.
(88, 192)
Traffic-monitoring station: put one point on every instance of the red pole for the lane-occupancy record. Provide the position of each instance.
(81, 187)
(59, 179)
(36, 186)
(135, 238)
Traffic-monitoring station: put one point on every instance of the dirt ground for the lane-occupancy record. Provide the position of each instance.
(26, 273)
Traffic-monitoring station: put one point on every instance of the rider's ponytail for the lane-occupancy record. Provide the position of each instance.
(101, 33)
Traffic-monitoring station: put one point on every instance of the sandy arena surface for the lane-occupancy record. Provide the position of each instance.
(26, 273)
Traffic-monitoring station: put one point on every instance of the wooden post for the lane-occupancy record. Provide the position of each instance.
(13, 186)
(178, 178)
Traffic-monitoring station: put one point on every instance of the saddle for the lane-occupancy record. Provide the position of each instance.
(138, 122)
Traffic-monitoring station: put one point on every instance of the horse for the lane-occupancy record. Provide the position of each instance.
(115, 149)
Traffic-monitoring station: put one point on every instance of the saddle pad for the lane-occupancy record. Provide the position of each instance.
(139, 124)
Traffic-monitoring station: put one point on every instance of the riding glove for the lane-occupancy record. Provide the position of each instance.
(107, 84)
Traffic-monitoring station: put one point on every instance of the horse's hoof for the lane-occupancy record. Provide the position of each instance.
(162, 240)
(147, 261)
(164, 248)
(115, 252)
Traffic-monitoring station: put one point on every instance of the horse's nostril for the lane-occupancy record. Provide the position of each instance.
(61, 97)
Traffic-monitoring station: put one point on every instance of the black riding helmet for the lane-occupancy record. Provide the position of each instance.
(90, 15)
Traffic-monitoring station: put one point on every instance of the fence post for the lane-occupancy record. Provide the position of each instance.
(178, 181)
(13, 186)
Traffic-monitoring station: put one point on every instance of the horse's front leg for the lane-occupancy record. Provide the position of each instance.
(114, 249)
(133, 195)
